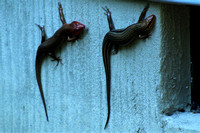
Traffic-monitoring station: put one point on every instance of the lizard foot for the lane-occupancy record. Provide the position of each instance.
(58, 59)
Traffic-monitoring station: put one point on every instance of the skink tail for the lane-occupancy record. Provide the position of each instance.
(38, 76)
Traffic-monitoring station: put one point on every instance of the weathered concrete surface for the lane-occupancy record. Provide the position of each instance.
(187, 122)
(75, 92)
(175, 59)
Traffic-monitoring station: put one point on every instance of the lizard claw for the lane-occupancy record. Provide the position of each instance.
(114, 51)
(40, 27)
(58, 59)
(107, 11)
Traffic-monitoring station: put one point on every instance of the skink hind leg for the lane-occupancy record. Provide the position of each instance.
(62, 18)
(54, 58)
(111, 27)
(43, 33)
(109, 17)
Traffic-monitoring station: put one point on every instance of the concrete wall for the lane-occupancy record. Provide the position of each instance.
(150, 79)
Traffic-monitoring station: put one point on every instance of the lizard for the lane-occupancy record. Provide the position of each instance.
(116, 38)
(67, 32)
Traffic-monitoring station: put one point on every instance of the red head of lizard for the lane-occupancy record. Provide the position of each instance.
(77, 28)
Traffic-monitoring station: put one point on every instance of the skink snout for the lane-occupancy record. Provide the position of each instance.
(150, 21)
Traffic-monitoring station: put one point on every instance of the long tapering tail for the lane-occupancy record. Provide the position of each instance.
(38, 65)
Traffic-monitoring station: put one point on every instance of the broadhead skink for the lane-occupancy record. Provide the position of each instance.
(68, 32)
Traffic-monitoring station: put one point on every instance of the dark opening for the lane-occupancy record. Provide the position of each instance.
(195, 57)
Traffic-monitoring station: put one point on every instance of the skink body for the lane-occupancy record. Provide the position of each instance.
(119, 38)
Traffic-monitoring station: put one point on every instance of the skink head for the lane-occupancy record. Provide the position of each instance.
(77, 28)
(150, 21)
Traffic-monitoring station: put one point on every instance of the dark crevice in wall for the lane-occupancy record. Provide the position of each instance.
(195, 58)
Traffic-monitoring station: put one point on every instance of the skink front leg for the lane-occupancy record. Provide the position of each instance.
(62, 18)
(43, 33)
(143, 13)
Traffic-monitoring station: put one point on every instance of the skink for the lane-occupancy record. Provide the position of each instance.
(116, 38)
(68, 32)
